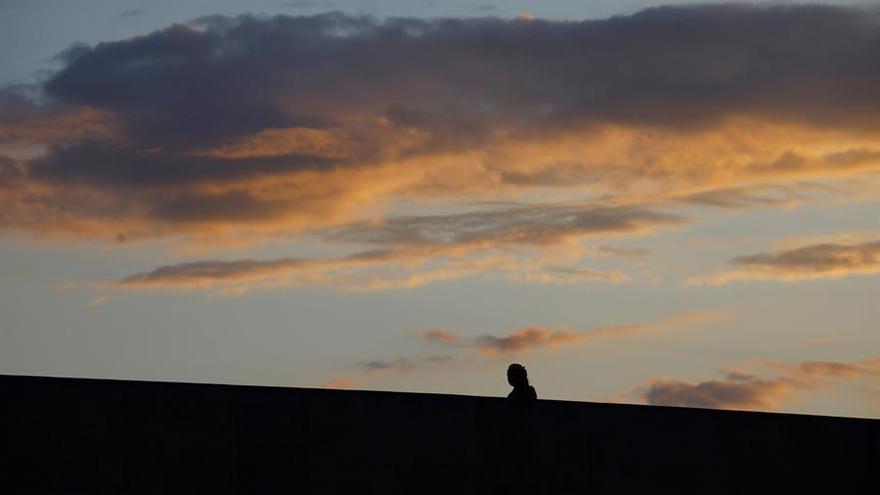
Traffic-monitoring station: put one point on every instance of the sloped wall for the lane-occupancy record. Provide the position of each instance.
(64, 435)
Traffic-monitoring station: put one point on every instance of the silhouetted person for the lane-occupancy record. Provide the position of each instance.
(519, 379)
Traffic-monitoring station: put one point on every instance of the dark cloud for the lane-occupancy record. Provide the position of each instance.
(105, 164)
(219, 78)
(179, 87)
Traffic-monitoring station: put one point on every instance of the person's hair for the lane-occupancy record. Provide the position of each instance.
(517, 375)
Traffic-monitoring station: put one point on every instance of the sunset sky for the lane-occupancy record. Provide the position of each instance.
(672, 205)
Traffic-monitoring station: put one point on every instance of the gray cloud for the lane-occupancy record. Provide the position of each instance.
(425, 248)
(103, 164)
(738, 198)
(718, 394)
(741, 390)
(814, 261)
(218, 77)
(401, 365)
(131, 13)
(520, 225)
(821, 258)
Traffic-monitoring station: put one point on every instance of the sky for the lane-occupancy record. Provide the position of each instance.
(669, 204)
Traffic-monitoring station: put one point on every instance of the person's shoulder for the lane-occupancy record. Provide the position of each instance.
(532, 393)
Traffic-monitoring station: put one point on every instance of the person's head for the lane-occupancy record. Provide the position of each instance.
(517, 376)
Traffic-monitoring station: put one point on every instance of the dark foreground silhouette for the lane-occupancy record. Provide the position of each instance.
(518, 378)
(123, 437)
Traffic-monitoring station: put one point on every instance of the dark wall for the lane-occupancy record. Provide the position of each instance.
(63, 435)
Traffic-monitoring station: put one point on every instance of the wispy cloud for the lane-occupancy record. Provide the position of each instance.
(534, 337)
(100, 300)
(130, 13)
(525, 243)
(401, 365)
(439, 335)
(815, 261)
(519, 341)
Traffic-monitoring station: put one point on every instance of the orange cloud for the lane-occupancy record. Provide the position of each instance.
(305, 147)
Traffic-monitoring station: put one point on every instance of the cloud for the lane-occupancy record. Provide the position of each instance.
(719, 394)
(24, 122)
(624, 252)
(556, 275)
(736, 198)
(10, 173)
(340, 383)
(530, 225)
(241, 129)
(527, 338)
(521, 340)
(740, 390)
(816, 261)
(131, 13)
(439, 335)
(672, 66)
(533, 337)
(101, 164)
(401, 365)
(100, 300)
(525, 243)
